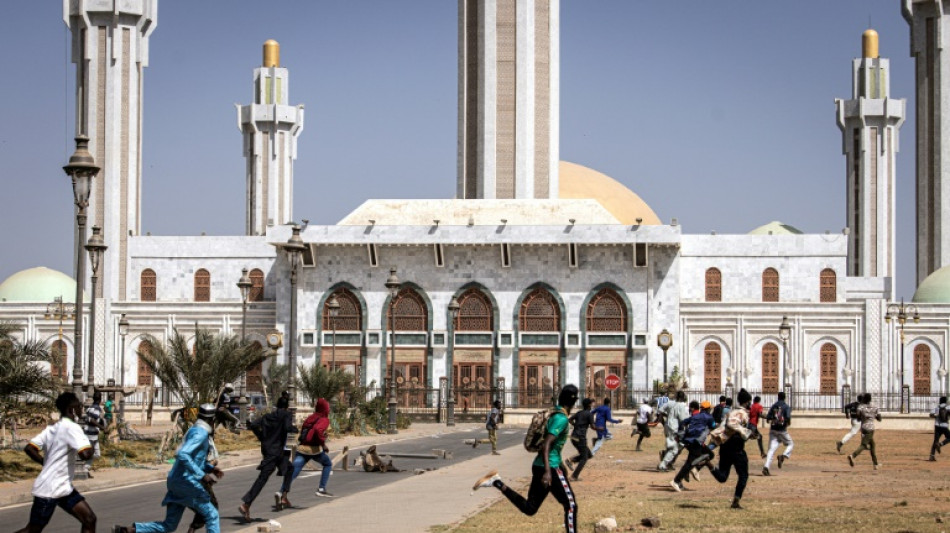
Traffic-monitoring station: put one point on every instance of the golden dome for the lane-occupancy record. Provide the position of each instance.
(271, 53)
(869, 42)
(579, 182)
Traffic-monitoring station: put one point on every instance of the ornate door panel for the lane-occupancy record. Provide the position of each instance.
(712, 365)
(922, 369)
(829, 369)
(537, 385)
(770, 368)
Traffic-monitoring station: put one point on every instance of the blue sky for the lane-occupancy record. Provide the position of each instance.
(720, 114)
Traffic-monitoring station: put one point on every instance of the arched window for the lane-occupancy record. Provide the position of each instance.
(475, 312)
(770, 285)
(255, 374)
(829, 286)
(921, 369)
(829, 369)
(202, 285)
(770, 367)
(712, 365)
(149, 281)
(349, 317)
(606, 312)
(411, 311)
(257, 286)
(713, 285)
(539, 312)
(145, 376)
(57, 367)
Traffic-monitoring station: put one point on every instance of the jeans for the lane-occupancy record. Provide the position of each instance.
(300, 461)
(855, 428)
(777, 437)
(560, 488)
(173, 512)
(732, 455)
(867, 443)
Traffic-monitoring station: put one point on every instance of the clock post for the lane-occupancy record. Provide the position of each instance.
(664, 340)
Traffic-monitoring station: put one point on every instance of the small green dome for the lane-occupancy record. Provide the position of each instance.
(935, 289)
(776, 228)
(39, 284)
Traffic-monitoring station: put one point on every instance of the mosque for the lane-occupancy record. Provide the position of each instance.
(540, 272)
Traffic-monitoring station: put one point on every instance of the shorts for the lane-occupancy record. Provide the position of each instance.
(644, 430)
(43, 508)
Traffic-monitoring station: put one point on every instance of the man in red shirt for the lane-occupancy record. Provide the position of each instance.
(755, 411)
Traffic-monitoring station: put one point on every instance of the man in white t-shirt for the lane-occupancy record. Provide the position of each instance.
(59, 444)
(644, 418)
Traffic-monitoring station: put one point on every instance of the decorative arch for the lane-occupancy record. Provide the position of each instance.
(770, 285)
(713, 285)
(712, 367)
(148, 286)
(828, 365)
(257, 286)
(606, 311)
(828, 282)
(411, 310)
(202, 285)
(932, 383)
(350, 316)
(476, 311)
(539, 311)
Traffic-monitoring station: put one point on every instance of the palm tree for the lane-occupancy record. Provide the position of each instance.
(318, 382)
(197, 376)
(26, 386)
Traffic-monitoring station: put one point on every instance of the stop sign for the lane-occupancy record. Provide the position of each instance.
(612, 382)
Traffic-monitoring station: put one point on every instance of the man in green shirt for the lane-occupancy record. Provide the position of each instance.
(547, 475)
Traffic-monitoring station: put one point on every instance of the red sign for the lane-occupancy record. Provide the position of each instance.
(612, 382)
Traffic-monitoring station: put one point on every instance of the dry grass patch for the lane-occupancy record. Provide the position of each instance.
(816, 490)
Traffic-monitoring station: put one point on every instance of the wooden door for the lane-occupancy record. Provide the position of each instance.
(829, 369)
(712, 365)
(770, 368)
(471, 386)
(921, 369)
(537, 385)
(410, 384)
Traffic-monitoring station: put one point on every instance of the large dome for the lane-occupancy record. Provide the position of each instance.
(935, 289)
(39, 284)
(579, 182)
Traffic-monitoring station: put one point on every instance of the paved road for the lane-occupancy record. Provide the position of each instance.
(143, 502)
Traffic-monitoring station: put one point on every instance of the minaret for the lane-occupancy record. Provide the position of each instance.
(929, 27)
(110, 50)
(869, 124)
(270, 129)
(508, 98)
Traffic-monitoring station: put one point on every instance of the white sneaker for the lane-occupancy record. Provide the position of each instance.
(323, 493)
(676, 486)
(695, 473)
(487, 480)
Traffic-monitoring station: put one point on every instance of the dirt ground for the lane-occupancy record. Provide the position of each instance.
(816, 490)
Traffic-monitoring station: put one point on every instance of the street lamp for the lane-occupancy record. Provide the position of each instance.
(664, 340)
(81, 169)
(453, 313)
(784, 333)
(244, 284)
(392, 283)
(123, 331)
(333, 307)
(900, 312)
(294, 248)
(96, 247)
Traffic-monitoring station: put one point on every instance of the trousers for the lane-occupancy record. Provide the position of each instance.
(560, 488)
(173, 513)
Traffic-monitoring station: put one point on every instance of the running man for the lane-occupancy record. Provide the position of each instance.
(673, 414)
(732, 452)
(780, 417)
(755, 414)
(186, 481)
(491, 424)
(644, 419)
(693, 433)
(851, 412)
(602, 415)
(868, 413)
(547, 476)
(60, 444)
(581, 420)
(94, 424)
(312, 447)
(941, 416)
(272, 433)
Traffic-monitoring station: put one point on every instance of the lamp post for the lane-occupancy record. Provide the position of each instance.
(294, 248)
(453, 314)
(123, 331)
(784, 333)
(333, 307)
(392, 283)
(57, 310)
(81, 169)
(244, 284)
(664, 340)
(900, 312)
(96, 247)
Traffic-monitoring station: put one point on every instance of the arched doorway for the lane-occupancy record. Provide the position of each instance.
(411, 316)
(712, 367)
(606, 323)
(471, 376)
(539, 322)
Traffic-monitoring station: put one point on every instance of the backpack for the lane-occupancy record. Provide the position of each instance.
(536, 430)
(943, 414)
(310, 434)
(777, 416)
